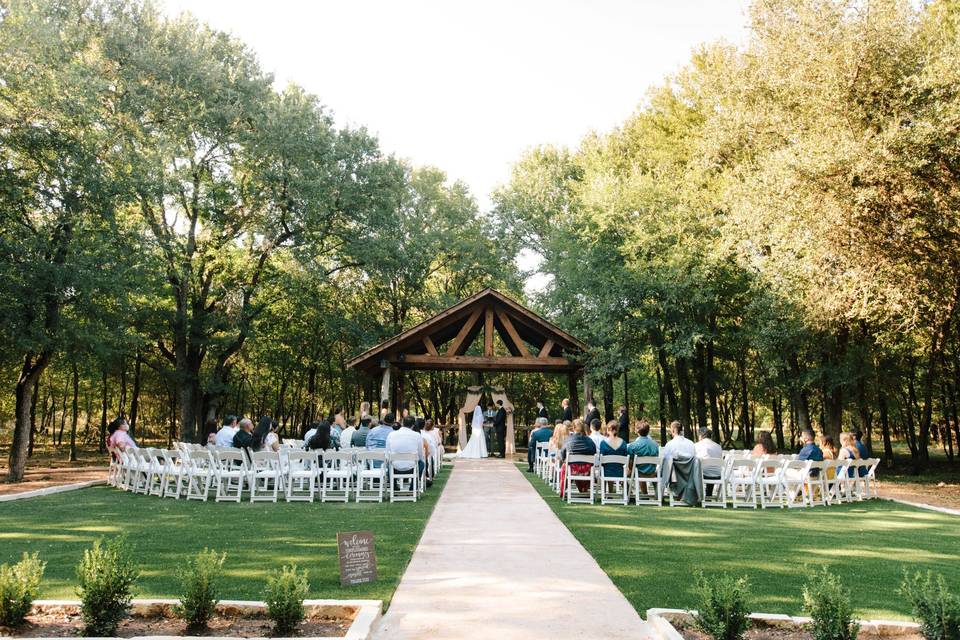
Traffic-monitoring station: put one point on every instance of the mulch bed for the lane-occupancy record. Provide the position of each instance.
(51, 625)
(759, 631)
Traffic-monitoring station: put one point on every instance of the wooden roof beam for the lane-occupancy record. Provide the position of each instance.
(512, 332)
(464, 330)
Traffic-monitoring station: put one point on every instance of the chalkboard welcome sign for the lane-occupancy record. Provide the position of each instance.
(358, 558)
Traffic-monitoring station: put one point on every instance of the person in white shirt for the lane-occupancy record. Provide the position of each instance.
(227, 431)
(312, 431)
(595, 434)
(346, 436)
(707, 448)
(679, 446)
(429, 435)
(406, 440)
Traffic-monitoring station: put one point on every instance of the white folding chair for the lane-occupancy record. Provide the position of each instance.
(643, 484)
(716, 496)
(570, 487)
(861, 484)
(770, 481)
(200, 471)
(264, 476)
(837, 485)
(871, 483)
(337, 476)
(796, 480)
(113, 471)
(742, 476)
(302, 471)
(815, 483)
(231, 472)
(173, 474)
(371, 475)
(403, 483)
(141, 467)
(614, 489)
(155, 468)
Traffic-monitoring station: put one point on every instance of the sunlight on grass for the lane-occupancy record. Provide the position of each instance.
(651, 553)
(257, 538)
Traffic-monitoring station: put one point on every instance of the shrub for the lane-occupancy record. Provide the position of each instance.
(19, 586)
(828, 603)
(286, 590)
(106, 575)
(199, 588)
(722, 611)
(935, 608)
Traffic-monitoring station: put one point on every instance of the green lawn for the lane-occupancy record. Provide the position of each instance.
(651, 553)
(257, 537)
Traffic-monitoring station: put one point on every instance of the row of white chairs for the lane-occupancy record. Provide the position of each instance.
(195, 472)
(744, 481)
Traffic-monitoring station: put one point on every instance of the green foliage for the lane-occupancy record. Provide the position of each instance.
(722, 610)
(105, 578)
(199, 587)
(934, 605)
(827, 602)
(284, 595)
(19, 587)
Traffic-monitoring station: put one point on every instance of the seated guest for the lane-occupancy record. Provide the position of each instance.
(644, 447)
(364, 409)
(862, 449)
(337, 422)
(346, 436)
(384, 409)
(309, 433)
(613, 445)
(226, 432)
(262, 432)
(359, 438)
(211, 427)
(377, 438)
(707, 448)
(406, 440)
(829, 448)
(322, 438)
(431, 437)
(810, 450)
(542, 433)
(120, 439)
(244, 438)
(577, 444)
(271, 442)
(560, 434)
(595, 433)
(764, 446)
(679, 446)
(848, 451)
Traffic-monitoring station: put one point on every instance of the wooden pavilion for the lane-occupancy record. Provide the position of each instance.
(442, 342)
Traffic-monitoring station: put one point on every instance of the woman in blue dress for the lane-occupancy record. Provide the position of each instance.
(613, 445)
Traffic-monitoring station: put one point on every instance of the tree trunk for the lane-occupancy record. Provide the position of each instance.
(135, 394)
(700, 385)
(25, 390)
(683, 381)
(608, 413)
(76, 411)
(103, 412)
(885, 428)
(673, 408)
(661, 406)
(712, 391)
(778, 421)
(800, 401)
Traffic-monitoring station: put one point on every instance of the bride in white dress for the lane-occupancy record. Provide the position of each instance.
(477, 444)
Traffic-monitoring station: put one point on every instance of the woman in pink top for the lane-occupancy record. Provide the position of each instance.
(120, 439)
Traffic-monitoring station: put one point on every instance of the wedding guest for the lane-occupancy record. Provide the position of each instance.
(566, 410)
(592, 414)
(543, 433)
(364, 409)
(542, 411)
(359, 438)
(848, 451)
(810, 450)
(623, 423)
(613, 445)
(244, 438)
(384, 409)
(829, 448)
(707, 448)
(377, 437)
(644, 447)
(679, 446)
(406, 440)
(431, 437)
(862, 449)
(211, 427)
(271, 442)
(578, 443)
(260, 433)
(323, 438)
(120, 438)
(227, 431)
(595, 433)
(346, 436)
(560, 434)
(764, 446)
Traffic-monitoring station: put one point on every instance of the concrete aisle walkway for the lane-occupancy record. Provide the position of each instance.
(495, 562)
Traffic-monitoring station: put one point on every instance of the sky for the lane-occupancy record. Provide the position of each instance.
(468, 86)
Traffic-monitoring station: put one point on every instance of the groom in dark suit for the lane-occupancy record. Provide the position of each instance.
(500, 427)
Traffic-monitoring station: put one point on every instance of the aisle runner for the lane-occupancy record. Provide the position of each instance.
(495, 562)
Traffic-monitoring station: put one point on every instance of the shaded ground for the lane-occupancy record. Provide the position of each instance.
(257, 538)
(44, 477)
(652, 553)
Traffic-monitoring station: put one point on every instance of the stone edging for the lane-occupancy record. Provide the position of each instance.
(49, 491)
(367, 613)
(661, 621)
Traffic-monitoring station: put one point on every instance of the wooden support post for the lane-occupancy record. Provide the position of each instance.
(401, 394)
(572, 392)
(384, 387)
(587, 391)
(488, 332)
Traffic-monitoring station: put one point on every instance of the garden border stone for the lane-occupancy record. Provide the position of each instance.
(367, 612)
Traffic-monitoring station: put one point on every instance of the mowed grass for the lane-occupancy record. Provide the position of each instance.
(652, 553)
(256, 537)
